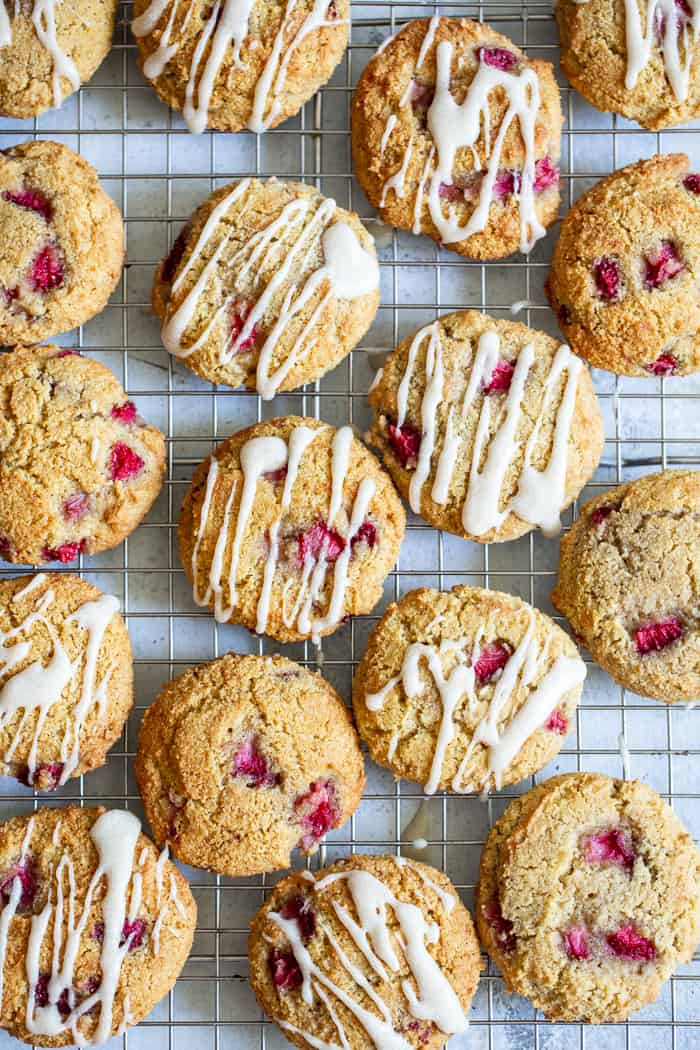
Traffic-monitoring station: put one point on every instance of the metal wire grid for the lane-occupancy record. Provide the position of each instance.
(157, 173)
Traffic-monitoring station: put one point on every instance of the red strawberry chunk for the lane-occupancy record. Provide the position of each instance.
(576, 943)
(692, 183)
(299, 908)
(275, 476)
(46, 776)
(502, 927)
(665, 365)
(404, 442)
(602, 513)
(546, 174)
(33, 200)
(125, 413)
(75, 507)
(10, 295)
(367, 533)
(124, 463)
(655, 636)
(134, 932)
(627, 943)
(67, 552)
(492, 659)
(46, 270)
(505, 184)
(286, 975)
(317, 811)
(26, 873)
(68, 353)
(448, 191)
(557, 723)
(498, 58)
(250, 764)
(422, 96)
(612, 846)
(331, 11)
(316, 539)
(500, 378)
(239, 315)
(662, 266)
(606, 274)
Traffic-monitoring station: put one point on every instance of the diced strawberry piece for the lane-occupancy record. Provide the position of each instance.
(25, 871)
(124, 463)
(422, 1031)
(67, 552)
(492, 659)
(606, 274)
(300, 908)
(46, 270)
(448, 191)
(502, 927)
(33, 200)
(627, 943)
(500, 378)
(76, 506)
(546, 174)
(692, 183)
(10, 295)
(317, 811)
(250, 764)
(134, 932)
(316, 539)
(498, 58)
(68, 353)
(46, 776)
(367, 533)
(238, 316)
(602, 513)
(172, 260)
(557, 723)
(275, 476)
(662, 266)
(612, 846)
(286, 975)
(41, 990)
(665, 365)
(576, 943)
(124, 413)
(331, 11)
(505, 184)
(404, 442)
(422, 95)
(655, 636)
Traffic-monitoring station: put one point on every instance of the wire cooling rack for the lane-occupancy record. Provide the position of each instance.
(158, 173)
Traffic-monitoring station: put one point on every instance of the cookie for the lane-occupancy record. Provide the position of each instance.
(66, 682)
(265, 61)
(625, 270)
(96, 925)
(290, 527)
(244, 759)
(48, 49)
(466, 689)
(61, 242)
(588, 897)
(621, 63)
(487, 427)
(423, 155)
(373, 951)
(79, 468)
(269, 285)
(627, 583)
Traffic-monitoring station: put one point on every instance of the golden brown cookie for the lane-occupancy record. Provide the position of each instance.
(487, 427)
(96, 925)
(423, 156)
(372, 951)
(79, 468)
(61, 242)
(622, 64)
(290, 527)
(66, 681)
(269, 285)
(625, 270)
(588, 897)
(628, 583)
(466, 689)
(48, 49)
(264, 62)
(244, 759)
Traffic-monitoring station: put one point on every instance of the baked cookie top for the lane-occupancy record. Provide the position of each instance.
(244, 759)
(79, 468)
(466, 689)
(593, 900)
(374, 950)
(487, 427)
(625, 270)
(628, 583)
(640, 60)
(429, 162)
(289, 527)
(264, 62)
(61, 242)
(269, 285)
(65, 677)
(96, 925)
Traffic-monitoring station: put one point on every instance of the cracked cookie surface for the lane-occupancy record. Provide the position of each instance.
(79, 468)
(244, 759)
(628, 583)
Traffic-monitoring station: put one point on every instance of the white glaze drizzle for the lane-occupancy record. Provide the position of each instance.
(386, 134)
(10, 908)
(396, 182)
(44, 22)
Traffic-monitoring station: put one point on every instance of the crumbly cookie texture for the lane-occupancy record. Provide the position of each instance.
(625, 270)
(597, 60)
(51, 49)
(588, 897)
(95, 958)
(250, 293)
(61, 242)
(318, 944)
(422, 156)
(289, 528)
(79, 468)
(487, 427)
(66, 681)
(256, 74)
(466, 689)
(244, 759)
(627, 583)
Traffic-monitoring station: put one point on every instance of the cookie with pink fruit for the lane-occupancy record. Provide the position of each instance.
(625, 270)
(627, 583)
(79, 467)
(244, 759)
(61, 242)
(589, 897)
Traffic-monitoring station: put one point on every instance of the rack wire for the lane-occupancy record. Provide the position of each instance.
(158, 173)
